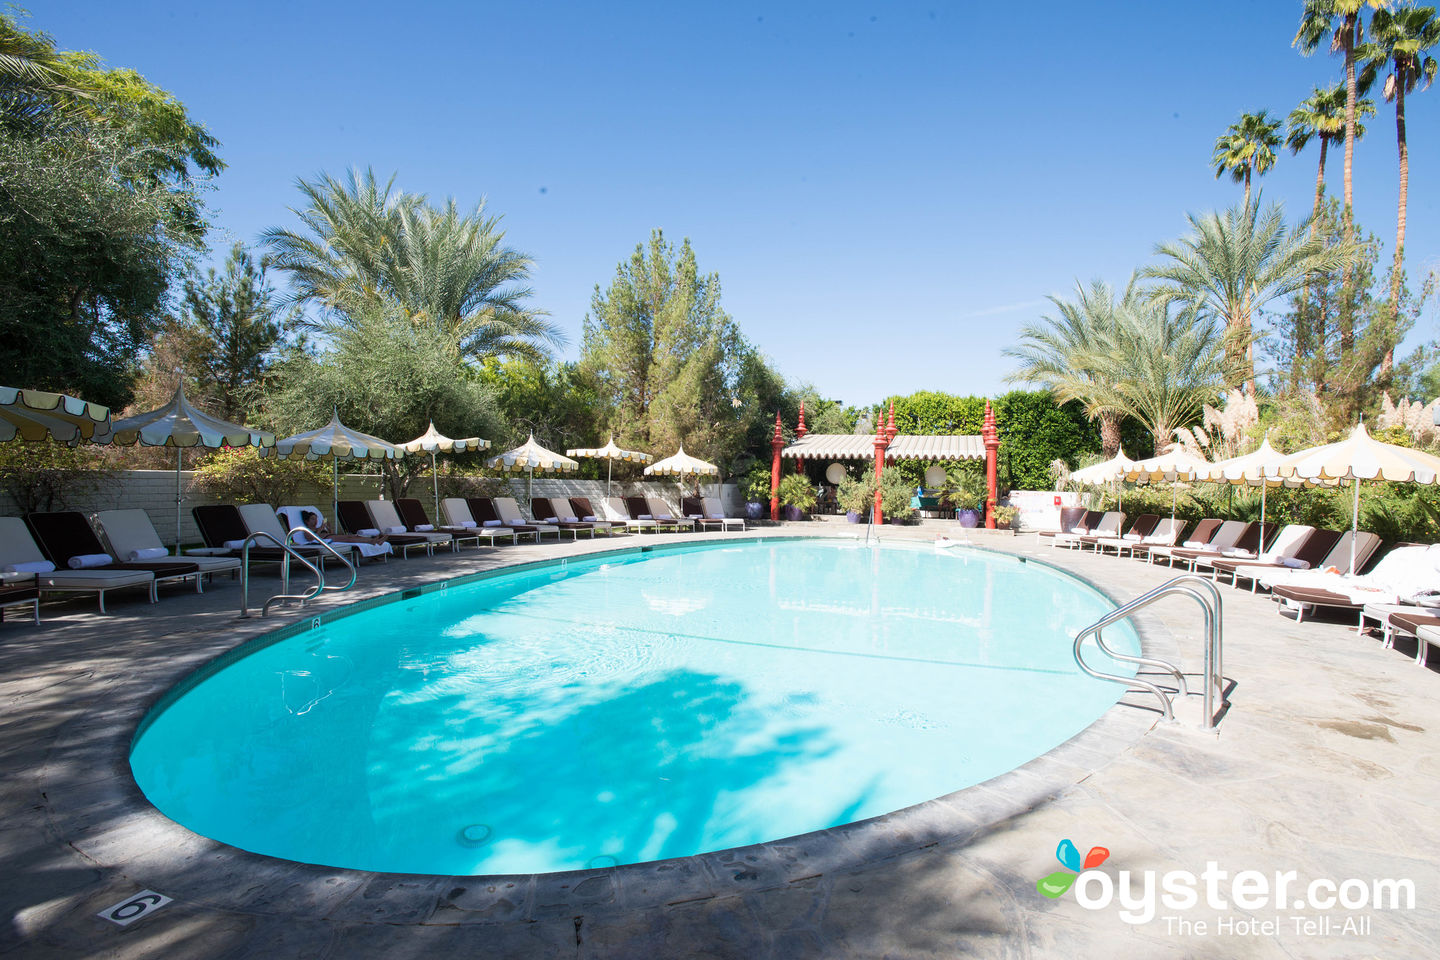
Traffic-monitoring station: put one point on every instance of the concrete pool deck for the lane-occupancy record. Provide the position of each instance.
(1325, 764)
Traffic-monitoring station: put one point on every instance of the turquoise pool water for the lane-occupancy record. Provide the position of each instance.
(631, 707)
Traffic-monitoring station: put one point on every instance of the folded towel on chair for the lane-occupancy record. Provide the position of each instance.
(148, 553)
(234, 544)
(589, 519)
(82, 561)
(396, 529)
(29, 566)
(492, 523)
(467, 524)
(424, 527)
(368, 532)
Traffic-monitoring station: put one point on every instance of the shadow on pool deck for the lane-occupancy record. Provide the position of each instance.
(1326, 764)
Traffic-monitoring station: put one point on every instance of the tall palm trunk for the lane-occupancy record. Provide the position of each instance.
(1247, 186)
(1347, 325)
(1303, 326)
(1395, 271)
(1109, 434)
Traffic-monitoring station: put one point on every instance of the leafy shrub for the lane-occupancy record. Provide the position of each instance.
(243, 476)
(50, 476)
(856, 495)
(755, 485)
(795, 491)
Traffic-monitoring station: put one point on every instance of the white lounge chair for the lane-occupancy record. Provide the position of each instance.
(457, 514)
(715, 513)
(132, 536)
(387, 520)
(614, 510)
(668, 516)
(508, 509)
(20, 554)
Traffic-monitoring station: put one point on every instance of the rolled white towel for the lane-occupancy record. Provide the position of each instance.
(29, 566)
(572, 520)
(424, 527)
(148, 553)
(369, 532)
(83, 561)
(644, 516)
(1294, 564)
(467, 524)
(1193, 544)
(397, 529)
(1238, 553)
(589, 519)
(1133, 537)
(694, 516)
(549, 520)
(493, 523)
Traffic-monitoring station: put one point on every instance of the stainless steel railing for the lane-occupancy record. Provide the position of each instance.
(291, 553)
(1207, 595)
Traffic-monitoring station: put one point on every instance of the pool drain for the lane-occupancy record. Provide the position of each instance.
(475, 835)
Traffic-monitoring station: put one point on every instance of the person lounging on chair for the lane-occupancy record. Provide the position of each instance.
(312, 523)
(1408, 574)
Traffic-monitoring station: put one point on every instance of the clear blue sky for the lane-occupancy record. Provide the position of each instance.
(887, 190)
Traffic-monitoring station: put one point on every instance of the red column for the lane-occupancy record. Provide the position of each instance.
(991, 435)
(882, 440)
(777, 443)
(890, 430)
(800, 432)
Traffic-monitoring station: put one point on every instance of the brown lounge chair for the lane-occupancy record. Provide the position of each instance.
(66, 534)
(355, 518)
(1165, 534)
(1087, 523)
(224, 532)
(582, 508)
(1244, 543)
(20, 595)
(547, 516)
(1206, 535)
(1143, 526)
(1315, 548)
(639, 509)
(484, 512)
(1412, 623)
(457, 514)
(693, 509)
(413, 515)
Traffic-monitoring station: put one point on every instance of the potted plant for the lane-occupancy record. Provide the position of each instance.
(896, 495)
(856, 497)
(755, 488)
(1005, 518)
(966, 494)
(796, 495)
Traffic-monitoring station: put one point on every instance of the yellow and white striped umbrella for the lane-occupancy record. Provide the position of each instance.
(610, 453)
(432, 441)
(530, 456)
(1174, 464)
(36, 415)
(178, 424)
(1106, 471)
(682, 465)
(338, 442)
(1258, 469)
(1361, 457)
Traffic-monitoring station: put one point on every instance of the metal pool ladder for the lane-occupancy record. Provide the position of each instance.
(319, 587)
(1203, 592)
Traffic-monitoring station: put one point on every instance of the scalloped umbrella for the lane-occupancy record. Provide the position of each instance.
(178, 424)
(432, 441)
(1360, 457)
(35, 415)
(610, 453)
(1106, 471)
(530, 456)
(1174, 466)
(682, 465)
(1257, 469)
(336, 441)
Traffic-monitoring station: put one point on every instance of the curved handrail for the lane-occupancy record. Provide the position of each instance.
(310, 592)
(1203, 592)
(328, 548)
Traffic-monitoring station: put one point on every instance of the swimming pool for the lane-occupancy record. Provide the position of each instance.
(628, 707)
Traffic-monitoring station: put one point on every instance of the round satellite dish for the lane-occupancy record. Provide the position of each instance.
(934, 476)
(835, 472)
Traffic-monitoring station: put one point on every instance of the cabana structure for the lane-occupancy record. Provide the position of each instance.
(887, 446)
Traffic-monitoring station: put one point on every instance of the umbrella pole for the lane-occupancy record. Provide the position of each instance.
(1354, 526)
(434, 475)
(1174, 497)
(178, 501)
(1262, 505)
(530, 493)
(335, 499)
(609, 467)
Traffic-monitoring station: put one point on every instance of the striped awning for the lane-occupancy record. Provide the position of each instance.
(861, 446)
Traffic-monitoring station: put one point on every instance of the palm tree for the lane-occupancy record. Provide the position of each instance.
(1248, 147)
(1400, 40)
(1340, 20)
(1169, 364)
(367, 245)
(1320, 116)
(1069, 354)
(1236, 262)
(34, 76)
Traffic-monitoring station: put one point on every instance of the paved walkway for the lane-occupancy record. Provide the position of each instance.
(1326, 764)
